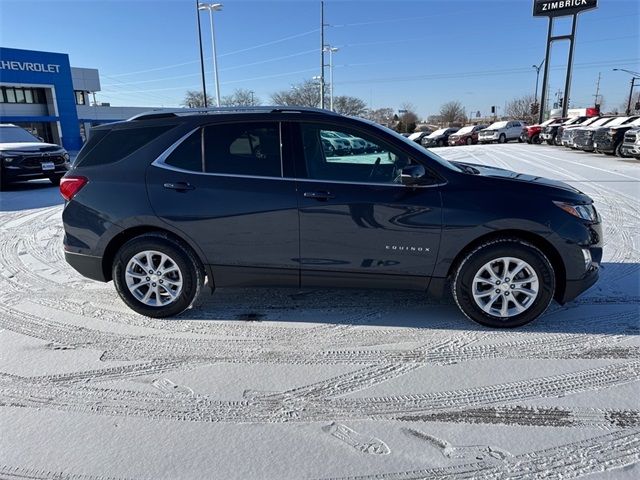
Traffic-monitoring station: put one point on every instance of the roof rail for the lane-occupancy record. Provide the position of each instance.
(178, 112)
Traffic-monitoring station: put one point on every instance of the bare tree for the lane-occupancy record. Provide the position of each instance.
(241, 97)
(520, 108)
(383, 116)
(635, 98)
(452, 112)
(195, 99)
(408, 119)
(305, 94)
(349, 105)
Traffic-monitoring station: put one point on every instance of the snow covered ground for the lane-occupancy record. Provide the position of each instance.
(277, 384)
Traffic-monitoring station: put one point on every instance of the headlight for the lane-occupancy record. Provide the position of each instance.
(585, 212)
(66, 157)
(7, 158)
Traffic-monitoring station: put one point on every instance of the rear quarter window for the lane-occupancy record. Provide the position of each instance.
(114, 145)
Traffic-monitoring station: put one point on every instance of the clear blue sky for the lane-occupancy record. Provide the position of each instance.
(424, 52)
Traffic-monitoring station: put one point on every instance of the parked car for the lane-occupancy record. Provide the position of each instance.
(631, 143)
(552, 133)
(583, 138)
(24, 156)
(608, 139)
(418, 136)
(439, 138)
(340, 145)
(532, 133)
(466, 135)
(501, 132)
(569, 131)
(162, 201)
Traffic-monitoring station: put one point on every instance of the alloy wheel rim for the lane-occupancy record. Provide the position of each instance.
(505, 287)
(153, 278)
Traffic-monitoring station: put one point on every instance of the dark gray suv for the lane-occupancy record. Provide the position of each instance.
(255, 197)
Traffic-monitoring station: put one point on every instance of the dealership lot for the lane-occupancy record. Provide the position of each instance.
(272, 383)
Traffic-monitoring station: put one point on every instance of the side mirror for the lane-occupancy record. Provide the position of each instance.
(412, 174)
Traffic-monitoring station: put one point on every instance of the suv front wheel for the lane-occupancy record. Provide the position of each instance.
(504, 283)
(157, 276)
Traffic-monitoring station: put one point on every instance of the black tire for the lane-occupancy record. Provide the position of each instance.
(619, 151)
(184, 258)
(536, 139)
(55, 180)
(469, 141)
(502, 138)
(440, 143)
(510, 247)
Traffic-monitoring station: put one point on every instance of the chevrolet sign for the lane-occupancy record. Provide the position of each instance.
(560, 8)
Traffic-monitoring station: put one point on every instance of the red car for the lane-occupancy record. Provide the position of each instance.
(531, 133)
(466, 135)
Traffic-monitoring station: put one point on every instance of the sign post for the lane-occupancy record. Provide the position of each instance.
(552, 9)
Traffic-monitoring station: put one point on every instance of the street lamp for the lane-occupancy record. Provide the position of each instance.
(331, 51)
(213, 7)
(636, 76)
(537, 68)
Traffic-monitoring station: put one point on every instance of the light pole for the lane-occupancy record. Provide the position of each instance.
(213, 7)
(537, 68)
(331, 51)
(635, 76)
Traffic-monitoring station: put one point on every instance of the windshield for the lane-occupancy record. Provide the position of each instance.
(573, 120)
(601, 121)
(438, 132)
(497, 125)
(415, 135)
(548, 122)
(16, 135)
(617, 121)
(464, 130)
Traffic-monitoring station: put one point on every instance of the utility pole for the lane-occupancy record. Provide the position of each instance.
(204, 86)
(596, 102)
(322, 54)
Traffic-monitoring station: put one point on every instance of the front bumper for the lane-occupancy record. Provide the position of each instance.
(488, 138)
(574, 288)
(17, 173)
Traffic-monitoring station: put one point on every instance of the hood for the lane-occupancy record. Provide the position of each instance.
(501, 173)
(30, 147)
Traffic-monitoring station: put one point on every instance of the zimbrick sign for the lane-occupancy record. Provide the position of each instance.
(559, 8)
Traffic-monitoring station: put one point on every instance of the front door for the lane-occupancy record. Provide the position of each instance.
(357, 219)
(223, 186)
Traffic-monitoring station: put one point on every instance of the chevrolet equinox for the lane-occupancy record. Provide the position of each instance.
(255, 197)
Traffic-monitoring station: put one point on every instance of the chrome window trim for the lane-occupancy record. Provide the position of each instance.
(160, 163)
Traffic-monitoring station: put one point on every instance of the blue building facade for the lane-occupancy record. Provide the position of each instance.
(37, 89)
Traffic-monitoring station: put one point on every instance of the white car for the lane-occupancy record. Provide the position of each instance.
(501, 132)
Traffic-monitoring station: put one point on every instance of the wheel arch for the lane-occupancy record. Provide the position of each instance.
(536, 240)
(124, 236)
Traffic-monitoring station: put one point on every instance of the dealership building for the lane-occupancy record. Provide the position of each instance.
(42, 93)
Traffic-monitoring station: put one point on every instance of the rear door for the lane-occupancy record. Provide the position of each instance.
(223, 186)
(358, 223)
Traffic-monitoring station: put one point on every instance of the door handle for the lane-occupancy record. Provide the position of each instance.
(319, 195)
(179, 186)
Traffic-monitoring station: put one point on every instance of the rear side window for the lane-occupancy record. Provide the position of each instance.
(243, 149)
(188, 155)
(95, 138)
(117, 144)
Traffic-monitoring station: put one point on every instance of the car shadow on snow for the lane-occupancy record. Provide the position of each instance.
(29, 195)
(612, 306)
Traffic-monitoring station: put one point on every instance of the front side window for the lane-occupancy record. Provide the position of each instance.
(336, 155)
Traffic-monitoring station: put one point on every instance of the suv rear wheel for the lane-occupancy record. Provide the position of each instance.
(504, 283)
(157, 276)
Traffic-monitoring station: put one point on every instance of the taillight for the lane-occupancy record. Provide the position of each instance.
(70, 186)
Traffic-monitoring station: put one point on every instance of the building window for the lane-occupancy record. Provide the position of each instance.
(81, 97)
(22, 95)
